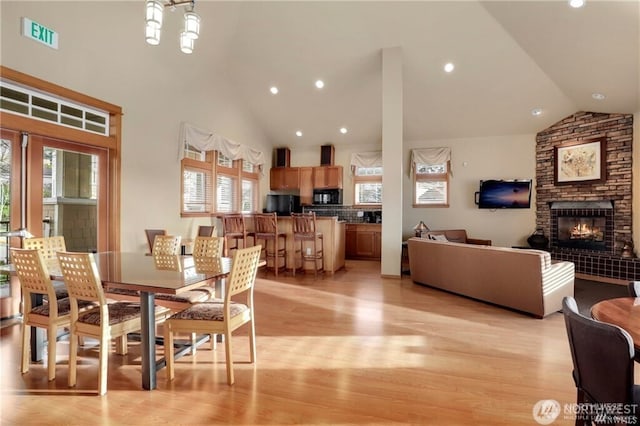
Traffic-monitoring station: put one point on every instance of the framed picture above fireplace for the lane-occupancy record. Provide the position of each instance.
(580, 162)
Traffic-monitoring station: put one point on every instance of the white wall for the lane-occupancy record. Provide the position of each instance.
(106, 59)
(472, 160)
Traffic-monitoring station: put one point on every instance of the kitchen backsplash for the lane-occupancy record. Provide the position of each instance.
(351, 214)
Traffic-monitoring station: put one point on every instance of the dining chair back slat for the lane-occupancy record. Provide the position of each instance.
(208, 246)
(166, 244)
(151, 236)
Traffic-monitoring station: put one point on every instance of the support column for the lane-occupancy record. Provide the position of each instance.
(392, 150)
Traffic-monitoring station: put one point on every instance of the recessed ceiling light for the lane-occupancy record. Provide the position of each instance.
(319, 84)
(273, 90)
(598, 96)
(298, 133)
(536, 112)
(343, 130)
(448, 67)
(576, 3)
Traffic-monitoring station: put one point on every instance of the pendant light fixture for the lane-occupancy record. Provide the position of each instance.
(154, 15)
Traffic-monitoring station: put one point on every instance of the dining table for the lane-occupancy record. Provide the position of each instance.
(143, 273)
(623, 312)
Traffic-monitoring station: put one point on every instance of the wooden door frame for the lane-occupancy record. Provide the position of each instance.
(111, 143)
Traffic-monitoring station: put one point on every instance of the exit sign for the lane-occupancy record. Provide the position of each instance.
(40, 33)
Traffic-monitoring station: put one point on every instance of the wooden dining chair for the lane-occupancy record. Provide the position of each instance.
(151, 236)
(208, 246)
(48, 247)
(266, 229)
(220, 318)
(108, 321)
(166, 244)
(34, 278)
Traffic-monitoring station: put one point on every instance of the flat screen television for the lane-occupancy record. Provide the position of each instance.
(504, 194)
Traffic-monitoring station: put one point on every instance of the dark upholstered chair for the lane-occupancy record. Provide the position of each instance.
(603, 364)
(634, 289)
(206, 231)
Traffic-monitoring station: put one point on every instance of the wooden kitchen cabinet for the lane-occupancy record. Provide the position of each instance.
(306, 185)
(327, 177)
(363, 241)
(284, 178)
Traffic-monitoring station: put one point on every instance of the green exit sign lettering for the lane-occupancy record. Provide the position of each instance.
(40, 33)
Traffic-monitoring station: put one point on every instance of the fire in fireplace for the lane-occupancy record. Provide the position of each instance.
(581, 232)
(585, 225)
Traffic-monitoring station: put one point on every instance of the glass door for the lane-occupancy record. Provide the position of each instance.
(70, 201)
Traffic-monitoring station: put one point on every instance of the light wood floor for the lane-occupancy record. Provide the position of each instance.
(349, 349)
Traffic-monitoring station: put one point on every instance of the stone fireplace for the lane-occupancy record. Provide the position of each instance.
(588, 222)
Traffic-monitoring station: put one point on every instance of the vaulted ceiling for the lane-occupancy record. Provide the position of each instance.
(510, 57)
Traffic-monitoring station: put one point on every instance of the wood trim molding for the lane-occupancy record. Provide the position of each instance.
(112, 142)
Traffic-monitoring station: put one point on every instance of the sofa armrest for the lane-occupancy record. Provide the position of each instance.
(478, 241)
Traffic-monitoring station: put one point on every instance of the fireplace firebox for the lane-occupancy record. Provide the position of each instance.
(582, 225)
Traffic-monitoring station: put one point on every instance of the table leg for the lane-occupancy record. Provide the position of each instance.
(148, 340)
(37, 333)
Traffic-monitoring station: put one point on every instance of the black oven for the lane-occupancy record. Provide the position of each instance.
(327, 196)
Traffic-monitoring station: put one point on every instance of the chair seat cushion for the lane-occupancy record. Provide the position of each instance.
(118, 312)
(64, 307)
(191, 296)
(209, 311)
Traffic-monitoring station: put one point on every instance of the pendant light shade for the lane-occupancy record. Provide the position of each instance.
(191, 25)
(154, 10)
(186, 43)
(152, 35)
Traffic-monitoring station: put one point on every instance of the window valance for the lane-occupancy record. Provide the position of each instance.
(429, 156)
(205, 140)
(366, 159)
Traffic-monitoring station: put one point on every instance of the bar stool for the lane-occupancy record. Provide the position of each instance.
(311, 247)
(234, 230)
(266, 228)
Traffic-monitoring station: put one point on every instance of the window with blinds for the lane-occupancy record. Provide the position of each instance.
(367, 185)
(197, 190)
(235, 184)
(431, 185)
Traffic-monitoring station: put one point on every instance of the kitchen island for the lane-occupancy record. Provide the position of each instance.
(333, 232)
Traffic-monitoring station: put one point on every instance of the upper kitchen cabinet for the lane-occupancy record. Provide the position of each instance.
(327, 177)
(306, 185)
(284, 178)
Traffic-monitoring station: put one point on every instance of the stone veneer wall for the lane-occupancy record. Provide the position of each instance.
(582, 126)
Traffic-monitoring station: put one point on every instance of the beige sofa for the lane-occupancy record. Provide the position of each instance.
(524, 280)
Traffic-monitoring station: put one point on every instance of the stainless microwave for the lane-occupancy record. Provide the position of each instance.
(327, 196)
